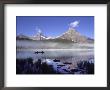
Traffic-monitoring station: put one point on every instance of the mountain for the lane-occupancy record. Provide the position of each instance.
(75, 36)
(70, 35)
(22, 37)
(39, 36)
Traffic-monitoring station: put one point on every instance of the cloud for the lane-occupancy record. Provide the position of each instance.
(38, 29)
(74, 24)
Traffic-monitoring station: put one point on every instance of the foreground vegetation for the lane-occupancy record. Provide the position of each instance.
(28, 66)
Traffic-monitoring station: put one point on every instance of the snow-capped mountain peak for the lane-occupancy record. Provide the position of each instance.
(71, 34)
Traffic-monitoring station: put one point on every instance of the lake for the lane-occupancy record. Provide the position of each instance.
(72, 55)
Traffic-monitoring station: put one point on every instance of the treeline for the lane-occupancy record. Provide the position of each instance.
(27, 66)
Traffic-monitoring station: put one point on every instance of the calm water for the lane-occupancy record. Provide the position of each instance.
(56, 53)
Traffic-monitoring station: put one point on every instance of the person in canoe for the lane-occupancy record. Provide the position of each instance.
(37, 52)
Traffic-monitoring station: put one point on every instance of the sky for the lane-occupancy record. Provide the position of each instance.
(53, 26)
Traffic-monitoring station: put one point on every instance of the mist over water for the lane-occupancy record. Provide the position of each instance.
(25, 44)
(53, 49)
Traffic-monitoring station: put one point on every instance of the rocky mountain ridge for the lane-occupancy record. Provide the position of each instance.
(71, 35)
